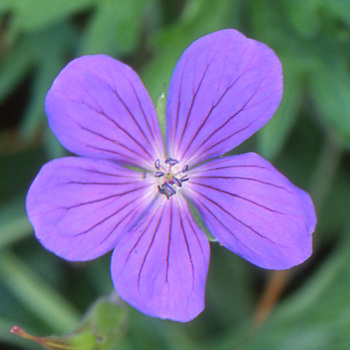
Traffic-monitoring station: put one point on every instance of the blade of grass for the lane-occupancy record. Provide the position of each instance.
(39, 297)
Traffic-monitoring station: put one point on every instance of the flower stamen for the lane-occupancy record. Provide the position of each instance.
(171, 176)
(184, 178)
(157, 164)
(171, 161)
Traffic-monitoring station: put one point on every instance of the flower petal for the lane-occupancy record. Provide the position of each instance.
(161, 267)
(98, 107)
(79, 206)
(224, 88)
(253, 210)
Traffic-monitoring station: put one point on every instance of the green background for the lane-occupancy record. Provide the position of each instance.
(308, 140)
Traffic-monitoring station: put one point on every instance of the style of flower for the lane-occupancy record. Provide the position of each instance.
(129, 194)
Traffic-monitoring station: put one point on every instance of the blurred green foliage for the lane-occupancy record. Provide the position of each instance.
(308, 139)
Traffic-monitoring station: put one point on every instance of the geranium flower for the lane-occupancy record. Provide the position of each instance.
(129, 194)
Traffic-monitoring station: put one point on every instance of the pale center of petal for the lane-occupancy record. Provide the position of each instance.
(170, 176)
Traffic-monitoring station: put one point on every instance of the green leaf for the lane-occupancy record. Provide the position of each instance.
(48, 64)
(317, 317)
(115, 27)
(5, 5)
(303, 15)
(36, 294)
(101, 329)
(199, 17)
(107, 320)
(337, 9)
(14, 224)
(53, 147)
(15, 66)
(35, 14)
(199, 221)
(331, 90)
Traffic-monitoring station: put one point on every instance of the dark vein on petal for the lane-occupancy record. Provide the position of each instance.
(112, 151)
(152, 133)
(143, 214)
(108, 174)
(138, 240)
(169, 241)
(233, 217)
(100, 112)
(235, 166)
(229, 136)
(224, 124)
(210, 112)
(105, 219)
(134, 213)
(177, 109)
(195, 234)
(187, 245)
(192, 104)
(131, 115)
(116, 226)
(108, 139)
(101, 183)
(237, 178)
(227, 229)
(104, 198)
(149, 247)
(237, 196)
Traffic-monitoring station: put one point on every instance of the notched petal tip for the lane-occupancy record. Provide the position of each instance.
(254, 211)
(98, 107)
(160, 268)
(224, 88)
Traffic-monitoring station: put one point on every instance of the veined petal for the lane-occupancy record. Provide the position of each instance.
(224, 88)
(98, 107)
(79, 207)
(161, 266)
(253, 210)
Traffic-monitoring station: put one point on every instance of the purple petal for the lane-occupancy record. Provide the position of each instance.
(98, 107)
(253, 210)
(224, 88)
(79, 207)
(161, 267)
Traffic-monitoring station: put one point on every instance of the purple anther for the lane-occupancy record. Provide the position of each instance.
(169, 188)
(185, 168)
(171, 161)
(159, 174)
(162, 190)
(177, 181)
(184, 178)
(157, 164)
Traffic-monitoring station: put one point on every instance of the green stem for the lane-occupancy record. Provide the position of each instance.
(36, 295)
(325, 170)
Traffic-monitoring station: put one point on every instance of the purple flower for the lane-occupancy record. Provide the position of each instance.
(129, 194)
